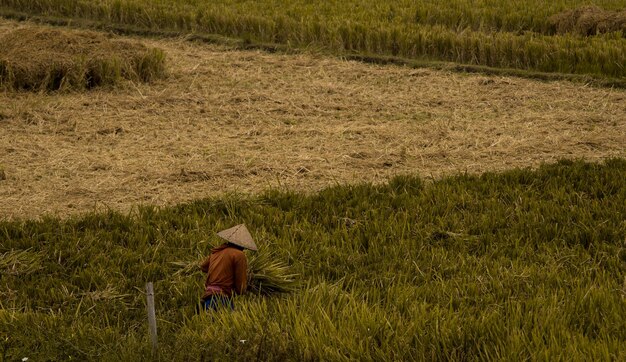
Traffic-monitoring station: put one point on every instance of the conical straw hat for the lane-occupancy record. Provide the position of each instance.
(238, 235)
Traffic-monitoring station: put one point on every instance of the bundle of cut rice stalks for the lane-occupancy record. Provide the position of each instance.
(266, 275)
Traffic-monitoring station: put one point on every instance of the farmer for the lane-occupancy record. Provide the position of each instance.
(227, 268)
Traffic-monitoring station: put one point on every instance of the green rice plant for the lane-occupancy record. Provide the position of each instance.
(498, 266)
(20, 262)
(267, 275)
(185, 268)
(494, 33)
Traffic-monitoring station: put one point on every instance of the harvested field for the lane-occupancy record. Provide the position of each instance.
(244, 121)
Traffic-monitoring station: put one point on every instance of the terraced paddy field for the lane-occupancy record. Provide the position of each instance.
(243, 121)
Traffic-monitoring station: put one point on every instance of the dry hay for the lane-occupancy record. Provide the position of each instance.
(35, 58)
(588, 21)
(243, 121)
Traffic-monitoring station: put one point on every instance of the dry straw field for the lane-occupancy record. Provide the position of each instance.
(242, 121)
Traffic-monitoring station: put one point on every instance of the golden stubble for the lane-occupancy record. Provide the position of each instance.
(244, 121)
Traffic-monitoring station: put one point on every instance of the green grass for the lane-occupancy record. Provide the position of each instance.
(494, 33)
(511, 266)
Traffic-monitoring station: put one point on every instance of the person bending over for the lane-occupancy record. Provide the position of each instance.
(227, 268)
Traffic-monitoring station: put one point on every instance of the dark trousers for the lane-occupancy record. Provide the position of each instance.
(215, 302)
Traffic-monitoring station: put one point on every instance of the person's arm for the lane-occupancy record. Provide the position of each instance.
(241, 274)
(204, 266)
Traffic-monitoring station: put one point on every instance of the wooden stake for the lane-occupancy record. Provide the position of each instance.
(152, 317)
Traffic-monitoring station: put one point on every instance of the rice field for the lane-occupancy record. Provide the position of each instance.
(400, 213)
(231, 120)
(525, 35)
(514, 265)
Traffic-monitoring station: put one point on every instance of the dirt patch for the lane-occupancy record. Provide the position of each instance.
(589, 21)
(36, 58)
(245, 121)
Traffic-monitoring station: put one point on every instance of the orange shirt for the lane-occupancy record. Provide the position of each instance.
(227, 269)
